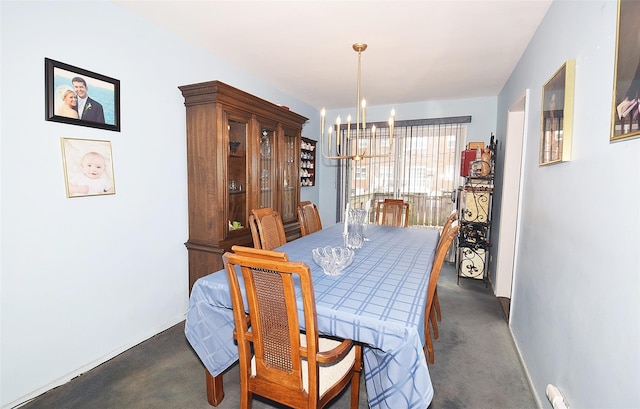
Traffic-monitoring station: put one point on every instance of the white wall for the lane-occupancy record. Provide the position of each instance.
(85, 278)
(576, 301)
(483, 113)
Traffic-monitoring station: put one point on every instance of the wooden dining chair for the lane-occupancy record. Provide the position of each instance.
(309, 218)
(267, 229)
(438, 260)
(392, 212)
(436, 302)
(277, 360)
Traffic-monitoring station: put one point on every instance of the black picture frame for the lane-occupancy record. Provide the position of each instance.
(102, 109)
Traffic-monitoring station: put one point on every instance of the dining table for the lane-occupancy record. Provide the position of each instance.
(378, 300)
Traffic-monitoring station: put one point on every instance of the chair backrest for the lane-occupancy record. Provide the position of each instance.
(258, 253)
(309, 218)
(253, 224)
(438, 259)
(268, 326)
(453, 216)
(267, 229)
(447, 224)
(392, 212)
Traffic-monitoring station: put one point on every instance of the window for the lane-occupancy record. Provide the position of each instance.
(421, 168)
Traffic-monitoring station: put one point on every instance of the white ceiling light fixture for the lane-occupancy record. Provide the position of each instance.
(338, 149)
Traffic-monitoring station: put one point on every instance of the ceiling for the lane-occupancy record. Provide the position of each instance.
(417, 50)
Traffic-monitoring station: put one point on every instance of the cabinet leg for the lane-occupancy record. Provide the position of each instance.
(215, 389)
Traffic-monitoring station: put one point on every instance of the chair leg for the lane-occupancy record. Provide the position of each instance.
(428, 350)
(246, 396)
(245, 400)
(355, 390)
(434, 323)
(355, 380)
(437, 305)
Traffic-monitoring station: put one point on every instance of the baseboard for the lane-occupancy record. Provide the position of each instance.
(536, 395)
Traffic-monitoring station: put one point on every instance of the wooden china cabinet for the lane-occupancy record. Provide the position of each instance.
(242, 153)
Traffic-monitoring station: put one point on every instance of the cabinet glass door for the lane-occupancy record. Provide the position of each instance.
(289, 178)
(237, 175)
(267, 167)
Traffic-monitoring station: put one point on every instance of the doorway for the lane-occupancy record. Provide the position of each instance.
(510, 201)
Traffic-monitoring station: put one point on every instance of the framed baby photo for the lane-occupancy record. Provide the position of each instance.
(79, 97)
(625, 113)
(88, 167)
(557, 115)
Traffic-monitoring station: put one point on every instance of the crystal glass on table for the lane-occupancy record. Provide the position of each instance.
(354, 237)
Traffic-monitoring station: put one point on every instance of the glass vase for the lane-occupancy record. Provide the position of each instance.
(355, 228)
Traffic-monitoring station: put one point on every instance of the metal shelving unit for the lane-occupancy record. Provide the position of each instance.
(474, 203)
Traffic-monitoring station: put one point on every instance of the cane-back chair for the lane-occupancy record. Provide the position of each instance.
(309, 218)
(267, 229)
(436, 303)
(277, 360)
(392, 212)
(438, 260)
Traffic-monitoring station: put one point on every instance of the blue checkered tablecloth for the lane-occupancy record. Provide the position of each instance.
(378, 300)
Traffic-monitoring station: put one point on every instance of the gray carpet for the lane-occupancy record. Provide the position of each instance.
(476, 366)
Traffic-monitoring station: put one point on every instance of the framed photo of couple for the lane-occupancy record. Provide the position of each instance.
(625, 113)
(79, 97)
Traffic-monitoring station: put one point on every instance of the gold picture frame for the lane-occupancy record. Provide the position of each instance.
(557, 115)
(625, 113)
(88, 167)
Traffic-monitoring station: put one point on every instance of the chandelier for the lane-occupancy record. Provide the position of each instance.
(338, 149)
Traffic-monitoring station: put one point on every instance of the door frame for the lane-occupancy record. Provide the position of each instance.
(511, 200)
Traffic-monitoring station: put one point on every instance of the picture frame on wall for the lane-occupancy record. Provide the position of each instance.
(77, 96)
(557, 115)
(88, 167)
(625, 113)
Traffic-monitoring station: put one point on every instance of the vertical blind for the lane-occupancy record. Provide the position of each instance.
(420, 165)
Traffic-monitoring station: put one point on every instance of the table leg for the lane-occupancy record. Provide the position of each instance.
(215, 389)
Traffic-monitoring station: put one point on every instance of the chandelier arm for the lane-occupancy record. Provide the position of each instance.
(339, 157)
